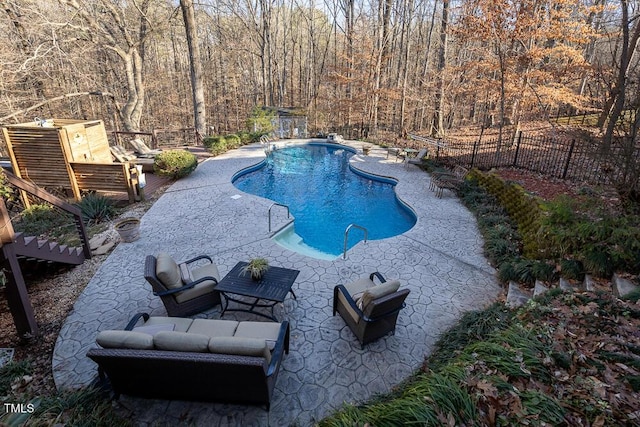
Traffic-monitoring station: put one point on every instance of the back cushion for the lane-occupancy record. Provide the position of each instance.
(379, 291)
(125, 339)
(240, 346)
(167, 271)
(181, 341)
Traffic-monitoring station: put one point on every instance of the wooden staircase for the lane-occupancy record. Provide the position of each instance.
(30, 247)
(16, 247)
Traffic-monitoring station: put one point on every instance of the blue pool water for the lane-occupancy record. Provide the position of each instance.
(325, 195)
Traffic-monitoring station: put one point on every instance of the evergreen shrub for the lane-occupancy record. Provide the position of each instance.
(524, 209)
(175, 163)
(215, 144)
(233, 141)
(44, 219)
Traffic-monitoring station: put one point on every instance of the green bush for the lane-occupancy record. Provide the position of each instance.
(44, 219)
(215, 144)
(6, 191)
(524, 209)
(247, 137)
(233, 141)
(175, 163)
(572, 269)
(96, 208)
(603, 243)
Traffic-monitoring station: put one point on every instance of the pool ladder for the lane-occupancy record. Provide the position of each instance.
(346, 236)
(269, 213)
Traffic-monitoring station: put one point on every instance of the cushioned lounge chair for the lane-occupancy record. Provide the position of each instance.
(185, 289)
(369, 309)
(417, 160)
(142, 150)
(122, 156)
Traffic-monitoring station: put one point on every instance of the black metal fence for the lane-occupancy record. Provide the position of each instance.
(554, 157)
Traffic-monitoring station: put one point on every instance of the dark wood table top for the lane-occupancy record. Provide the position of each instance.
(274, 285)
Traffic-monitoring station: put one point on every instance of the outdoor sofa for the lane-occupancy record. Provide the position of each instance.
(193, 359)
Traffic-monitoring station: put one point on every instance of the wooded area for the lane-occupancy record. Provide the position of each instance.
(355, 67)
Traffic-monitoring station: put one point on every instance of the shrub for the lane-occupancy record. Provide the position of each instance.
(215, 144)
(96, 208)
(524, 209)
(245, 137)
(44, 219)
(572, 269)
(233, 141)
(175, 163)
(6, 191)
(603, 243)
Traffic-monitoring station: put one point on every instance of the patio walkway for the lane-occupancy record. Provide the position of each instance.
(440, 259)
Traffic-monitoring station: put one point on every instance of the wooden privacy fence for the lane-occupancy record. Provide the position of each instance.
(72, 155)
(553, 157)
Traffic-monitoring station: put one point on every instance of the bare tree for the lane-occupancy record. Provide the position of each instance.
(197, 86)
(122, 29)
(630, 27)
(437, 129)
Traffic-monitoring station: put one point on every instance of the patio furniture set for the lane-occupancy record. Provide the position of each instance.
(220, 360)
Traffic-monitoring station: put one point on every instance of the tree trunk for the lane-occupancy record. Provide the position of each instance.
(617, 100)
(197, 86)
(437, 128)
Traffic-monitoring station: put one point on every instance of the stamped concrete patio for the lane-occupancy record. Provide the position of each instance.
(440, 260)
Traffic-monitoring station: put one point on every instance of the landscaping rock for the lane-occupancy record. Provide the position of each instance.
(96, 241)
(540, 288)
(622, 287)
(589, 284)
(103, 249)
(565, 285)
(516, 297)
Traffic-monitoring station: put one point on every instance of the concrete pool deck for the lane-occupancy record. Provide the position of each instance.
(440, 260)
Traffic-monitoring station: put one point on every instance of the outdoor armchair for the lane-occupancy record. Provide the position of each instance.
(185, 288)
(369, 309)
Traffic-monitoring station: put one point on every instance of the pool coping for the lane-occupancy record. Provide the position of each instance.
(305, 249)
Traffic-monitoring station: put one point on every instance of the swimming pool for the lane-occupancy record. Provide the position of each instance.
(326, 195)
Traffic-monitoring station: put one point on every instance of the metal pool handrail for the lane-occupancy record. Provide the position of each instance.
(277, 204)
(346, 237)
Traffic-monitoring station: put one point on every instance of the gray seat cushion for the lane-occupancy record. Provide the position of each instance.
(268, 331)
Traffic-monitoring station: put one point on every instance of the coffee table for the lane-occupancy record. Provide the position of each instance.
(272, 289)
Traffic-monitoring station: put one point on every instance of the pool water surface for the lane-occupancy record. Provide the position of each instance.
(325, 195)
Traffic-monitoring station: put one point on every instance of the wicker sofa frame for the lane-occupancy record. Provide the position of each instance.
(176, 375)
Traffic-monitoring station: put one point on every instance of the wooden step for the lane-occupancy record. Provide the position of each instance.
(46, 250)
